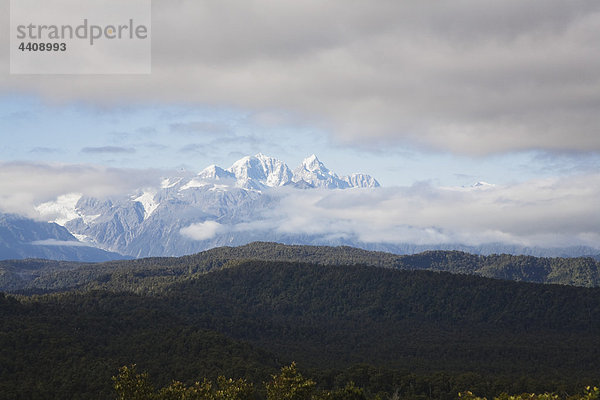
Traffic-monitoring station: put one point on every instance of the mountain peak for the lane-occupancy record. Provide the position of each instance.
(312, 163)
(361, 180)
(310, 159)
(258, 171)
(214, 172)
(315, 173)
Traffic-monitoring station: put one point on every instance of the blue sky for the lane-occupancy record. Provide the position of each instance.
(173, 137)
(417, 96)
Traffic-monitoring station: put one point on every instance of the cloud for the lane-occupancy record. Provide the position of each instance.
(45, 150)
(195, 148)
(201, 128)
(54, 242)
(107, 150)
(227, 142)
(203, 230)
(25, 185)
(471, 77)
(548, 213)
(553, 212)
(147, 130)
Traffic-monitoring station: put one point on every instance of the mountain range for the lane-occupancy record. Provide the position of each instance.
(189, 213)
(22, 237)
(260, 172)
(153, 221)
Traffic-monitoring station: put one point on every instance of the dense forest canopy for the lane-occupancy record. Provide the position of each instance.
(422, 334)
(151, 274)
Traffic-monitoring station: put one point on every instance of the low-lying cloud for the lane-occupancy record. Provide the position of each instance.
(203, 230)
(26, 185)
(547, 213)
(554, 212)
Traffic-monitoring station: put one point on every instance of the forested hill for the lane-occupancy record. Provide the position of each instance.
(151, 273)
(580, 271)
(427, 334)
(343, 314)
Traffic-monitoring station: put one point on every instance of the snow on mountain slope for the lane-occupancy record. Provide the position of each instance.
(315, 173)
(361, 180)
(150, 221)
(259, 198)
(215, 173)
(62, 210)
(147, 201)
(169, 182)
(260, 171)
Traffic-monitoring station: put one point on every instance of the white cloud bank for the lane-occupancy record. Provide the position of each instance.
(546, 213)
(26, 185)
(468, 76)
(553, 212)
(203, 230)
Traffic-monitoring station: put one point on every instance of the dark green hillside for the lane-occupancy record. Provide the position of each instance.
(420, 331)
(17, 274)
(68, 346)
(153, 274)
(569, 271)
(326, 315)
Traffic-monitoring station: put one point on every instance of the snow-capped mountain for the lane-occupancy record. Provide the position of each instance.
(260, 171)
(258, 198)
(215, 173)
(361, 180)
(150, 221)
(316, 174)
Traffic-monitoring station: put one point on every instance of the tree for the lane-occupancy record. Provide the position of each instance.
(349, 392)
(290, 385)
(229, 389)
(178, 391)
(132, 386)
